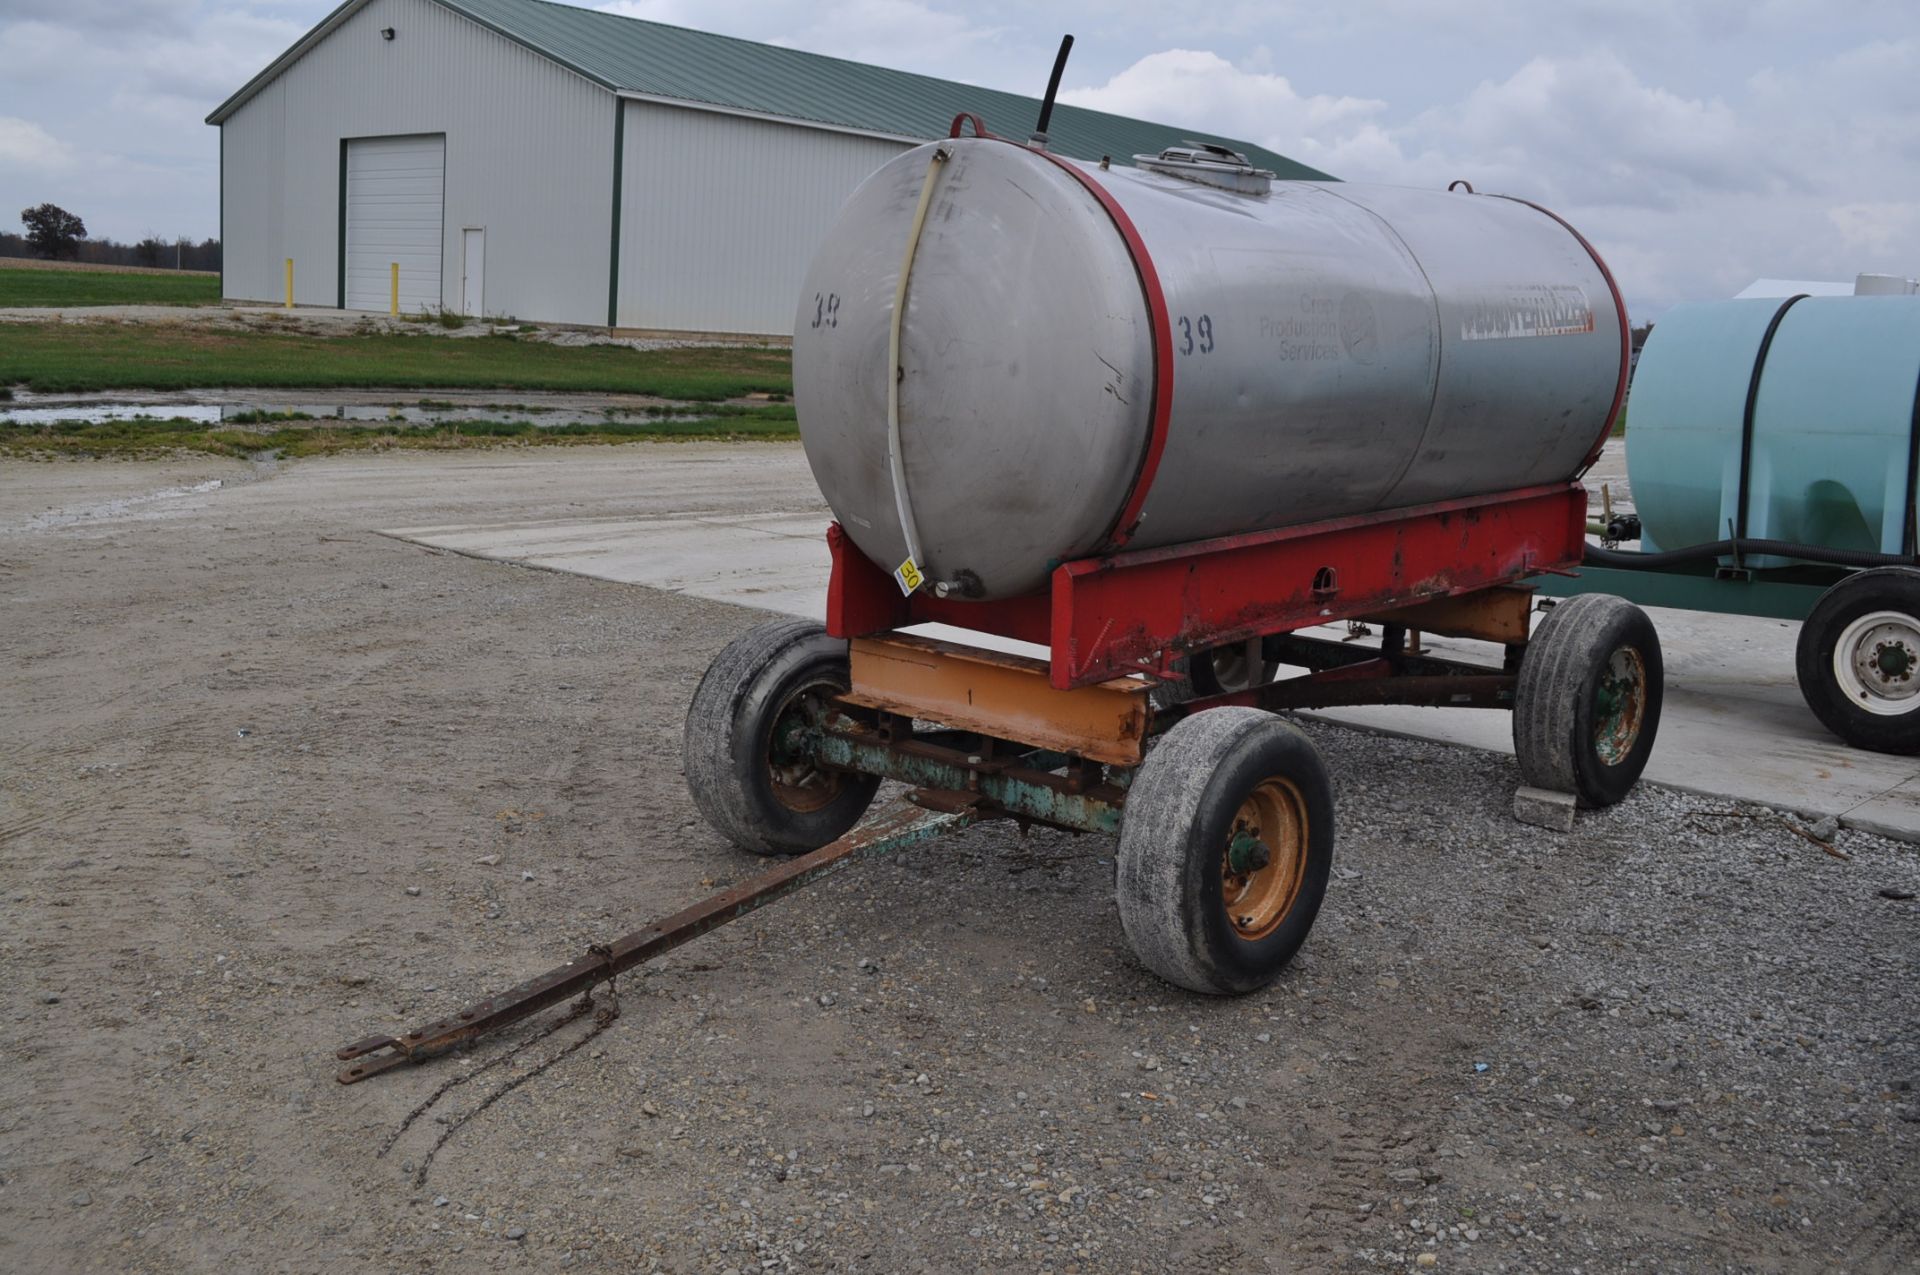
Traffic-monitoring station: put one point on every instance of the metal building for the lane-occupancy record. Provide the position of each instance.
(558, 164)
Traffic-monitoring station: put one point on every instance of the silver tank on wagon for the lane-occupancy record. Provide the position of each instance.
(1335, 349)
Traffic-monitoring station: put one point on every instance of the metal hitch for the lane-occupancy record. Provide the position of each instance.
(919, 816)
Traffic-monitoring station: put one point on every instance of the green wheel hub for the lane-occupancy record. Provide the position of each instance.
(1619, 705)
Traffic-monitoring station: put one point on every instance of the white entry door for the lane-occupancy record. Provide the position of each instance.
(395, 194)
(473, 270)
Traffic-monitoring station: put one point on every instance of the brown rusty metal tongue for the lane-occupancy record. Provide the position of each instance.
(918, 817)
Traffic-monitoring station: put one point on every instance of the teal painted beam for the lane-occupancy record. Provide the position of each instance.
(1759, 595)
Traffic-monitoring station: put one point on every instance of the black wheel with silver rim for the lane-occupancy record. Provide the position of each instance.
(749, 747)
(1858, 660)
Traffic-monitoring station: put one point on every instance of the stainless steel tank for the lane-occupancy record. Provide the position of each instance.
(1089, 356)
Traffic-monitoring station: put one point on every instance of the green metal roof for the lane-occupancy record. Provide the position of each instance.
(630, 55)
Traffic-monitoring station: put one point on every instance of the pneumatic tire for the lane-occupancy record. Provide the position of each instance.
(1203, 905)
(1858, 660)
(745, 746)
(1587, 706)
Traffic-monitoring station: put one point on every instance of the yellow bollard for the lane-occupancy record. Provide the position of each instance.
(393, 306)
(289, 283)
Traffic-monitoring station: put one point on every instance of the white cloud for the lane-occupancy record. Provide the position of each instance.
(1699, 143)
(1807, 172)
(24, 144)
(125, 85)
(1880, 228)
(903, 34)
(900, 33)
(105, 16)
(678, 13)
(1193, 87)
(200, 62)
(1582, 133)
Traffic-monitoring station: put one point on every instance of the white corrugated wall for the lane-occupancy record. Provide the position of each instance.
(720, 215)
(253, 177)
(529, 157)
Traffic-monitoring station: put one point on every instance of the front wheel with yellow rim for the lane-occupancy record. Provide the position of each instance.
(1225, 850)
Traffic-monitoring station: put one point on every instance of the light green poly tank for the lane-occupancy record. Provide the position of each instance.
(1835, 401)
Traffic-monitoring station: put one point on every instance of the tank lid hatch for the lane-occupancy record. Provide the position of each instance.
(1210, 165)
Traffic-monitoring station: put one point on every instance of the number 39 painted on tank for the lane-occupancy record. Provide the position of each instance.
(1203, 326)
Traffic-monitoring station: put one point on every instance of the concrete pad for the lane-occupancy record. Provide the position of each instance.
(1894, 813)
(1733, 725)
(774, 561)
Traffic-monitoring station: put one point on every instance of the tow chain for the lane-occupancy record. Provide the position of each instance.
(603, 1017)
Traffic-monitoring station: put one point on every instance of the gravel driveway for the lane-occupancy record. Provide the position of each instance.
(269, 782)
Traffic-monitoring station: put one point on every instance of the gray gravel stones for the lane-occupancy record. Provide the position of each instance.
(1699, 1029)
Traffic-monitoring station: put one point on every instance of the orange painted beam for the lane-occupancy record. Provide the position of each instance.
(1005, 696)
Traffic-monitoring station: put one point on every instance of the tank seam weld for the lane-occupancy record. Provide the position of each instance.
(1439, 346)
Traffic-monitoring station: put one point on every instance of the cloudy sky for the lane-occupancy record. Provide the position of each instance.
(1699, 143)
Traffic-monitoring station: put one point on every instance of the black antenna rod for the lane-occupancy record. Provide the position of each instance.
(1039, 137)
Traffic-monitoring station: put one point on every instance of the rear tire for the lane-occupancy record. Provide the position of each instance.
(745, 746)
(1858, 660)
(1224, 790)
(1587, 706)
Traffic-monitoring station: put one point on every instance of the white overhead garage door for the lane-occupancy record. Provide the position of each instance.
(395, 188)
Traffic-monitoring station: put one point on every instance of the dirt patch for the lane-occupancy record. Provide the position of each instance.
(269, 781)
(36, 263)
(309, 321)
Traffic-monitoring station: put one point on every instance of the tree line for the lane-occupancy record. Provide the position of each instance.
(55, 234)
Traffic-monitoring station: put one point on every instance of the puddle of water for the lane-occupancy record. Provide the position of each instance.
(108, 509)
(95, 413)
(160, 503)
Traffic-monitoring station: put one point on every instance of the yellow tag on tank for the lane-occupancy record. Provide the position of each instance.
(908, 576)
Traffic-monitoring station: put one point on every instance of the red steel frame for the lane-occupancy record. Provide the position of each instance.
(1140, 611)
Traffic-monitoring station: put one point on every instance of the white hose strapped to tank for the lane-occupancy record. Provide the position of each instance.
(909, 573)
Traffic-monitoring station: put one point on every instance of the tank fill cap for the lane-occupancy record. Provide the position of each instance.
(1210, 165)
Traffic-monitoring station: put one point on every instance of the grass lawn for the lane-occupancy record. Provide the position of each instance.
(110, 356)
(288, 436)
(32, 285)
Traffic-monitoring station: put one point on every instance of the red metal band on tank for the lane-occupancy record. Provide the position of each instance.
(1619, 308)
(1129, 519)
(1157, 320)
